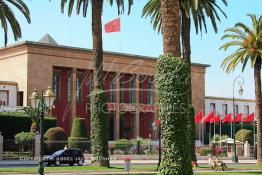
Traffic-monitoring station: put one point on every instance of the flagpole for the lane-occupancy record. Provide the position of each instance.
(220, 131)
(231, 130)
(209, 132)
(254, 131)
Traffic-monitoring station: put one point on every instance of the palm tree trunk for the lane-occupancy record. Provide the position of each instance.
(171, 27)
(257, 76)
(186, 44)
(186, 47)
(97, 6)
(98, 117)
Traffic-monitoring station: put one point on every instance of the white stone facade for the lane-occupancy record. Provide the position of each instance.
(225, 105)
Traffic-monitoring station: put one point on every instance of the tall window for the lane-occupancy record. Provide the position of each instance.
(78, 88)
(236, 109)
(56, 87)
(112, 91)
(246, 110)
(69, 87)
(213, 107)
(132, 91)
(140, 93)
(122, 91)
(224, 109)
(150, 93)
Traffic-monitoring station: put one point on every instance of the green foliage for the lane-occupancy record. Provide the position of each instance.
(216, 138)
(195, 8)
(99, 127)
(123, 145)
(245, 135)
(172, 82)
(246, 40)
(78, 137)
(81, 143)
(12, 123)
(79, 128)
(25, 140)
(204, 151)
(55, 139)
(9, 20)
(191, 134)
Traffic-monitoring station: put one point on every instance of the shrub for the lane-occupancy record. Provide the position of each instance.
(123, 145)
(81, 143)
(245, 135)
(55, 139)
(78, 137)
(79, 128)
(25, 141)
(172, 83)
(204, 151)
(12, 123)
(99, 127)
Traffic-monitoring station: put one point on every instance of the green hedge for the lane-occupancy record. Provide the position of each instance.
(12, 123)
(123, 145)
(99, 128)
(81, 143)
(172, 83)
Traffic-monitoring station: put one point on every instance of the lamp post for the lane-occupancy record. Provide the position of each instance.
(157, 126)
(42, 102)
(240, 81)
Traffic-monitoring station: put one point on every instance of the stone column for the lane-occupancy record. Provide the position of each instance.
(137, 118)
(1, 146)
(37, 147)
(74, 75)
(117, 111)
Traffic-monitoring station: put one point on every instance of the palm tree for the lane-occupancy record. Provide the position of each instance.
(8, 16)
(198, 10)
(97, 8)
(170, 18)
(248, 41)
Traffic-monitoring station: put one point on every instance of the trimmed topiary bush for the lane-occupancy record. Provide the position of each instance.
(123, 145)
(99, 128)
(172, 82)
(244, 135)
(55, 139)
(78, 137)
(25, 141)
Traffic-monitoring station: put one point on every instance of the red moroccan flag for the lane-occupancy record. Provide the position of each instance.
(198, 116)
(238, 117)
(227, 118)
(249, 118)
(208, 117)
(113, 26)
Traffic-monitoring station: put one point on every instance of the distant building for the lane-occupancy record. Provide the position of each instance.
(224, 106)
(128, 82)
(8, 94)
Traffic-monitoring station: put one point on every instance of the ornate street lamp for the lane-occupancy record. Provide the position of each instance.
(240, 83)
(42, 102)
(157, 126)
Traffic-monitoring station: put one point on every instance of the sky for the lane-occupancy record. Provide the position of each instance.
(138, 37)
